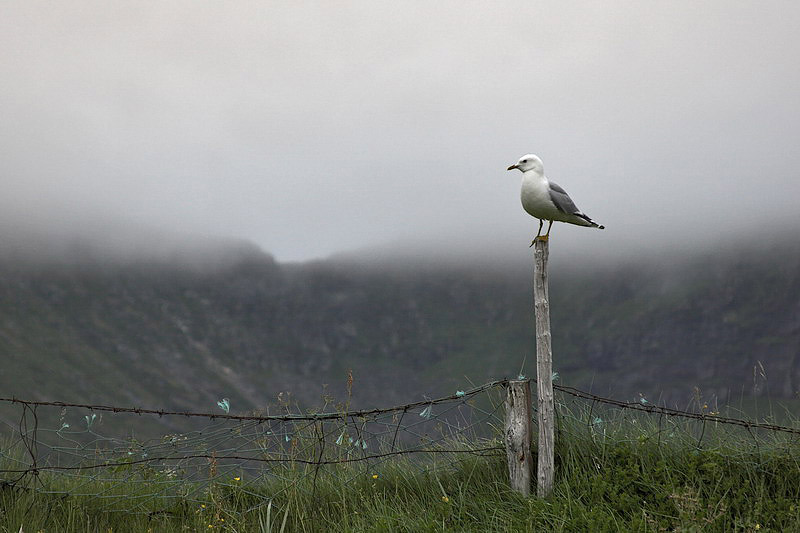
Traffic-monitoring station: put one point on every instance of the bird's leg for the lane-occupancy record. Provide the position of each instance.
(547, 235)
(538, 233)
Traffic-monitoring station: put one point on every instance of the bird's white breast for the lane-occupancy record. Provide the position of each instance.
(535, 195)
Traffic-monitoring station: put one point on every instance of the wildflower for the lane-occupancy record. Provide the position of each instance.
(758, 526)
(374, 476)
(237, 478)
(445, 499)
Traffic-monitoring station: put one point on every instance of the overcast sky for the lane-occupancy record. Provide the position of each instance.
(312, 128)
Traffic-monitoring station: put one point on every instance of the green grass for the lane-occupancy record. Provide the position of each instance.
(624, 473)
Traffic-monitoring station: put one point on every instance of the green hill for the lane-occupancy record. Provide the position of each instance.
(181, 334)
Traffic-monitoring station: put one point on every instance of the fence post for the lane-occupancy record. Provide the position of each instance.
(544, 372)
(518, 435)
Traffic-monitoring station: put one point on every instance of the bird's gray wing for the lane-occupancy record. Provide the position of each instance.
(562, 200)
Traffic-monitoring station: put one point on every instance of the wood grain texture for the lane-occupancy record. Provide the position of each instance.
(544, 372)
(518, 435)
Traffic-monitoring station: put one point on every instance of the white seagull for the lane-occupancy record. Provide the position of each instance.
(545, 200)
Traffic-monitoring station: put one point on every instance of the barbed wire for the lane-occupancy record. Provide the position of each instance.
(259, 418)
(472, 451)
(641, 405)
(647, 407)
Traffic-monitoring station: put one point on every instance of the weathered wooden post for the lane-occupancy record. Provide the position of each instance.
(518, 435)
(544, 372)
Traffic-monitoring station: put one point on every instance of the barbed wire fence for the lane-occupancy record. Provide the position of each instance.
(722, 430)
(61, 448)
(257, 454)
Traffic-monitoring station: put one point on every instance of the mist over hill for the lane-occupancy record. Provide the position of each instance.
(182, 333)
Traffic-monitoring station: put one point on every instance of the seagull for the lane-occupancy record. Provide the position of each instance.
(545, 200)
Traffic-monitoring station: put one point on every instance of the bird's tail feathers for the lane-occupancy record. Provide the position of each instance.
(591, 222)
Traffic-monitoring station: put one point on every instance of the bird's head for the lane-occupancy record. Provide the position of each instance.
(528, 162)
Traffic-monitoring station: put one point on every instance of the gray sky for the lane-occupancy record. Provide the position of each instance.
(311, 128)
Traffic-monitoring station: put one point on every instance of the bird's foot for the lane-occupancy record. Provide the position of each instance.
(539, 238)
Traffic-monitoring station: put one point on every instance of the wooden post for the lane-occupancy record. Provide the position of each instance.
(518, 435)
(544, 372)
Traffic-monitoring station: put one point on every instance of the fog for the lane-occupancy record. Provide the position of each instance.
(316, 128)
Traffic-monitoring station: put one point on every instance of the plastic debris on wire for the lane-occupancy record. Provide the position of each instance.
(225, 405)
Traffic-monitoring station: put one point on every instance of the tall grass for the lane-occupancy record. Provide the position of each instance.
(614, 472)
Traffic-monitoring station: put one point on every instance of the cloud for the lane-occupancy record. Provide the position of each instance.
(313, 128)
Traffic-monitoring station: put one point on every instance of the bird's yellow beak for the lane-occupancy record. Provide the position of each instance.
(512, 167)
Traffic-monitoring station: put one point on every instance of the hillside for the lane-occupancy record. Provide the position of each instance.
(182, 334)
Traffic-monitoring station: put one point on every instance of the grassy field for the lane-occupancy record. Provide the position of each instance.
(616, 474)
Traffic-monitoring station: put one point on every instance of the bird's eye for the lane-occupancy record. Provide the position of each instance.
(524, 160)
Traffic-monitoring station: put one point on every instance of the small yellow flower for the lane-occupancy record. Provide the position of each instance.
(758, 526)
(445, 499)
(237, 478)
(374, 476)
